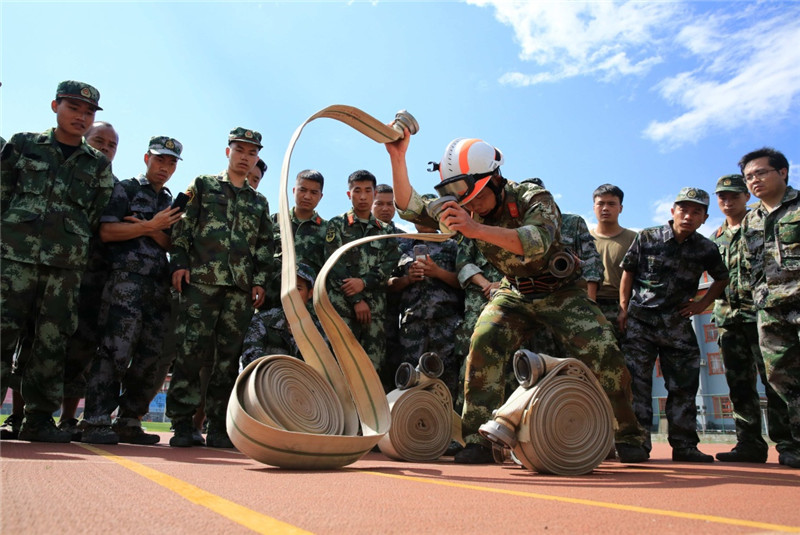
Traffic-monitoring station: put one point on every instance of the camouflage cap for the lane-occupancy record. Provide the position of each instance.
(165, 145)
(731, 183)
(429, 197)
(245, 135)
(693, 195)
(79, 91)
(306, 272)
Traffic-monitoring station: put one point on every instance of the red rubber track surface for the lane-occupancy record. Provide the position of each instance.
(70, 488)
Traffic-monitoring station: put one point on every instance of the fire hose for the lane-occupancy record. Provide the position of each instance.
(423, 421)
(325, 411)
(558, 421)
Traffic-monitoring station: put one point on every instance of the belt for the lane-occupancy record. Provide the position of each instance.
(545, 283)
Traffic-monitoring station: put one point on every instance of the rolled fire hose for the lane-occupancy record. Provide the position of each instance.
(308, 414)
(423, 421)
(559, 421)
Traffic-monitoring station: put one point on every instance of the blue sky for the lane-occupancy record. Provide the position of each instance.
(651, 96)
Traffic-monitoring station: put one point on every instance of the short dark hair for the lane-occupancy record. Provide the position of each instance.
(776, 159)
(384, 188)
(261, 164)
(608, 189)
(361, 175)
(312, 175)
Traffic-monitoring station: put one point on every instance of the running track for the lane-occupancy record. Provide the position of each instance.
(76, 488)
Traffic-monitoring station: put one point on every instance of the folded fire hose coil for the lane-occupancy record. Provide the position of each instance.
(422, 413)
(288, 428)
(563, 424)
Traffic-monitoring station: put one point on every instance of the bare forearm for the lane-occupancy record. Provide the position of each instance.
(625, 289)
(122, 231)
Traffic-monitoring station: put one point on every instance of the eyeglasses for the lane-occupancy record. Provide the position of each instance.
(758, 174)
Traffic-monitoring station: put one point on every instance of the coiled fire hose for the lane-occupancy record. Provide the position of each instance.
(559, 421)
(325, 411)
(423, 421)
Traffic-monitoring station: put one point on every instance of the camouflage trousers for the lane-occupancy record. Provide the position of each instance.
(779, 338)
(675, 345)
(371, 337)
(419, 337)
(738, 343)
(82, 346)
(610, 309)
(577, 325)
(42, 300)
(129, 368)
(209, 317)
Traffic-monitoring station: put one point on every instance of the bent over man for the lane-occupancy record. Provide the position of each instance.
(516, 227)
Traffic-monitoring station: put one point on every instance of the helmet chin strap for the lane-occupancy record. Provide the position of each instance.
(497, 189)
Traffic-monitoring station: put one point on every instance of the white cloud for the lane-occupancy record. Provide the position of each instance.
(662, 210)
(579, 38)
(743, 57)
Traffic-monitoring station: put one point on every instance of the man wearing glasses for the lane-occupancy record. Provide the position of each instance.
(771, 251)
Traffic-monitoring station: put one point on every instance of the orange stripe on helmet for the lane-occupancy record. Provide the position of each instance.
(463, 155)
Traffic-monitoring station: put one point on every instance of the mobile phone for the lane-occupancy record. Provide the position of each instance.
(420, 251)
(180, 201)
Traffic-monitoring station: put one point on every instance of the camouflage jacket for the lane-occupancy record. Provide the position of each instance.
(309, 239)
(429, 298)
(268, 334)
(736, 304)
(667, 273)
(527, 208)
(225, 236)
(50, 205)
(136, 197)
(372, 262)
(575, 235)
(771, 248)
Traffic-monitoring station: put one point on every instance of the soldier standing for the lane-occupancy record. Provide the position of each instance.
(134, 310)
(771, 249)
(357, 283)
(53, 189)
(516, 227)
(431, 304)
(662, 270)
(612, 241)
(735, 318)
(221, 260)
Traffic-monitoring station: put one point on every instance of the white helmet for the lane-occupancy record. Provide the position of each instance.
(467, 167)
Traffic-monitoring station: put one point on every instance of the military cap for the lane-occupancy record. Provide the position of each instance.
(306, 272)
(79, 91)
(166, 145)
(429, 197)
(731, 183)
(245, 135)
(693, 195)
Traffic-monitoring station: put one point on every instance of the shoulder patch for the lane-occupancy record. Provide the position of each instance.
(330, 235)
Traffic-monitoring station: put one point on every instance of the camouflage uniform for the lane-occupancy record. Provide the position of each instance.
(391, 329)
(771, 266)
(134, 311)
(431, 311)
(576, 237)
(373, 263)
(612, 250)
(666, 275)
(309, 248)
(735, 318)
(225, 240)
(511, 315)
(51, 206)
(470, 262)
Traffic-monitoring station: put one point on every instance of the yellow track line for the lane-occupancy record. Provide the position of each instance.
(232, 511)
(593, 503)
